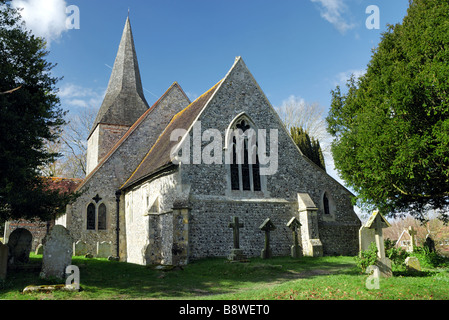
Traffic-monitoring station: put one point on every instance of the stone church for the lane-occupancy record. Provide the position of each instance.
(158, 203)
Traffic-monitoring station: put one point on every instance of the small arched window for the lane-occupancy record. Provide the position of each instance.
(90, 217)
(102, 217)
(326, 204)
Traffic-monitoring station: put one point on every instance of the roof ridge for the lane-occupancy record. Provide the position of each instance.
(175, 117)
(128, 133)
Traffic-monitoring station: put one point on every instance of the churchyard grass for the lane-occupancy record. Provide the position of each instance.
(271, 279)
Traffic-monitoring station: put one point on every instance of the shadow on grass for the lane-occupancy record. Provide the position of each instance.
(405, 273)
(103, 279)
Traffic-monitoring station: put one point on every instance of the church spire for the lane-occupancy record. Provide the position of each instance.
(124, 101)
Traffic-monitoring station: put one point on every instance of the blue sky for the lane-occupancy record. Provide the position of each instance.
(300, 48)
(297, 49)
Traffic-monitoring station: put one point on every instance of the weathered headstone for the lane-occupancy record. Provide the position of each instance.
(58, 248)
(19, 243)
(412, 264)
(104, 249)
(236, 252)
(430, 243)
(39, 249)
(80, 248)
(366, 237)
(294, 225)
(267, 226)
(412, 232)
(3, 260)
(378, 222)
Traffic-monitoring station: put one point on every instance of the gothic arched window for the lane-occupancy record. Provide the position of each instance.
(326, 204)
(102, 217)
(90, 217)
(245, 168)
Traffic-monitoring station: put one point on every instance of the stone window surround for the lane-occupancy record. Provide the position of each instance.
(332, 207)
(263, 179)
(97, 206)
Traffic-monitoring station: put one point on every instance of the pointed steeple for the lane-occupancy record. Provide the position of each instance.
(124, 101)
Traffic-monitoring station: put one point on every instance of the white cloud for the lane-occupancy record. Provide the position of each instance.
(333, 11)
(192, 96)
(73, 95)
(45, 18)
(343, 77)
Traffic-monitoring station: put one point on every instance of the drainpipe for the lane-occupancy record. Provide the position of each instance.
(118, 193)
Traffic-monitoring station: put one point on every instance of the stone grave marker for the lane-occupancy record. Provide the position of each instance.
(3, 260)
(267, 226)
(80, 248)
(430, 243)
(378, 222)
(236, 252)
(39, 249)
(294, 225)
(412, 232)
(58, 247)
(104, 249)
(366, 236)
(19, 243)
(412, 264)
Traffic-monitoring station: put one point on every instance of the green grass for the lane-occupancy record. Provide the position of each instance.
(277, 278)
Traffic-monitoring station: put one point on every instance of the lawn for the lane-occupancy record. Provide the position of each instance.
(216, 279)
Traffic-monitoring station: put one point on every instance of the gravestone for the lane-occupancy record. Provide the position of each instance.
(412, 264)
(412, 232)
(39, 249)
(294, 225)
(3, 260)
(80, 248)
(58, 248)
(104, 249)
(236, 253)
(19, 243)
(366, 236)
(377, 222)
(430, 244)
(267, 226)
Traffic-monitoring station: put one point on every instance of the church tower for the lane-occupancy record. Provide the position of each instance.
(123, 103)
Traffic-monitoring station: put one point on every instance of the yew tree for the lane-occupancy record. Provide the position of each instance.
(30, 114)
(391, 126)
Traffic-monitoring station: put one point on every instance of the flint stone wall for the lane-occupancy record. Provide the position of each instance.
(113, 173)
(338, 231)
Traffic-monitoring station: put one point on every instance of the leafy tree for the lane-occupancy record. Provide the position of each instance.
(310, 147)
(30, 114)
(391, 128)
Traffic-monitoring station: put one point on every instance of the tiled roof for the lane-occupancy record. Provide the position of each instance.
(130, 131)
(159, 155)
(64, 185)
